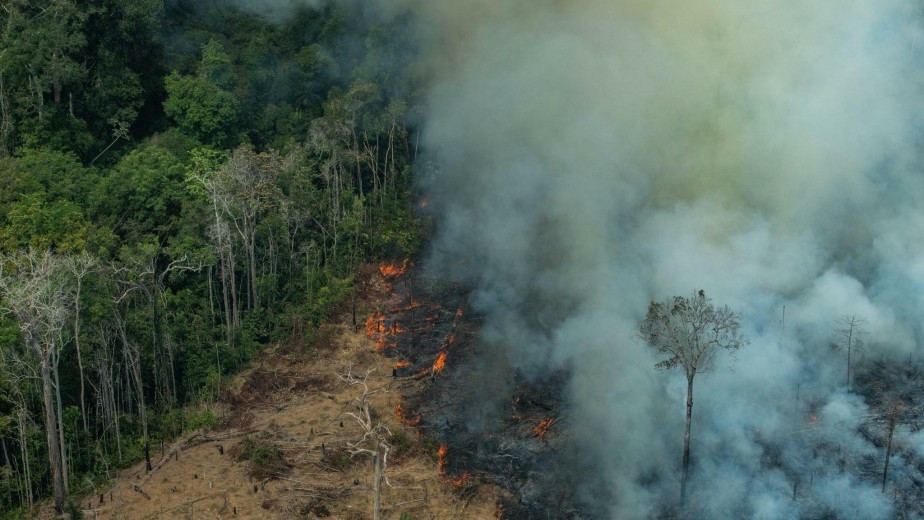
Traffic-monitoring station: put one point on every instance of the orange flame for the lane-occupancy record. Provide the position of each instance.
(411, 306)
(393, 270)
(461, 480)
(440, 363)
(543, 427)
(409, 418)
(375, 325)
(402, 364)
(441, 457)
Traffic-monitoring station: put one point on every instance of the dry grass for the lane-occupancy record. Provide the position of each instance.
(285, 458)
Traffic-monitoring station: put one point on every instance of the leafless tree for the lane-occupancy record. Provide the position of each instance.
(246, 189)
(34, 290)
(374, 442)
(690, 332)
(80, 266)
(893, 415)
(850, 334)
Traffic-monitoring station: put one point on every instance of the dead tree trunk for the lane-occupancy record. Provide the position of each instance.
(685, 470)
(885, 470)
(51, 436)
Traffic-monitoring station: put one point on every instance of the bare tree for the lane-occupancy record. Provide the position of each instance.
(246, 189)
(132, 355)
(374, 442)
(851, 334)
(80, 266)
(893, 414)
(34, 289)
(690, 332)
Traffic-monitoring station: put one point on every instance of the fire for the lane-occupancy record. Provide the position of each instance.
(410, 419)
(396, 328)
(441, 457)
(393, 270)
(402, 364)
(411, 306)
(379, 333)
(543, 427)
(375, 325)
(461, 480)
(440, 363)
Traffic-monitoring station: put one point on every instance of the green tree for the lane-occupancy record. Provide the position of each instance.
(201, 108)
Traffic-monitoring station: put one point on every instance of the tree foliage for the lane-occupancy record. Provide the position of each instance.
(203, 182)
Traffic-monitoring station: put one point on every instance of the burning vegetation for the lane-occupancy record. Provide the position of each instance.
(543, 427)
(421, 333)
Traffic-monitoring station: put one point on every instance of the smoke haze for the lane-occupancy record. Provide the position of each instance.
(596, 155)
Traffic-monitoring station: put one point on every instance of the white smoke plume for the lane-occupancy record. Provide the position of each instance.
(596, 155)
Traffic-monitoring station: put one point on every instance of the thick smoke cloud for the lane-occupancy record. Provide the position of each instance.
(596, 155)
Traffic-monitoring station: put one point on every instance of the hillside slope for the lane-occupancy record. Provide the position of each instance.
(280, 452)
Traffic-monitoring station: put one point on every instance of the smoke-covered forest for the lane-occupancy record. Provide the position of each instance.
(585, 212)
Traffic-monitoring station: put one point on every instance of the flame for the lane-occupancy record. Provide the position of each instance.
(393, 270)
(442, 454)
(379, 333)
(441, 457)
(461, 480)
(543, 427)
(440, 363)
(402, 364)
(396, 328)
(411, 306)
(411, 419)
(375, 325)
(459, 314)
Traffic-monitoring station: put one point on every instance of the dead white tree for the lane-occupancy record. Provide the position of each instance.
(80, 266)
(246, 190)
(34, 290)
(851, 334)
(374, 442)
(690, 332)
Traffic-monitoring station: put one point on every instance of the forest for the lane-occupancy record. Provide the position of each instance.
(182, 183)
(462, 259)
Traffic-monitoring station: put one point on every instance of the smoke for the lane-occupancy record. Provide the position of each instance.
(277, 11)
(596, 155)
